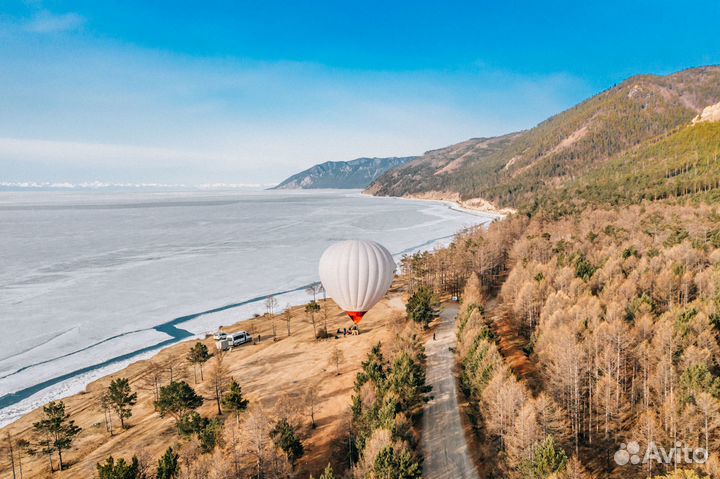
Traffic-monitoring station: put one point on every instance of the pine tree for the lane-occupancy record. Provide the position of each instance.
(374, 368)
(328, 473)
(234, 401)
(547, 459)
(57, 429)
(422, 306)
(198, 356)
(177, 399)
(407, 379)
(169, 465)
(285, 437)
(121, 399)
(120, 469)
(208, 431)
(391, 463)
(210, 435)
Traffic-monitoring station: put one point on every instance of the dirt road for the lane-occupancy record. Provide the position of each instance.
(446, 452)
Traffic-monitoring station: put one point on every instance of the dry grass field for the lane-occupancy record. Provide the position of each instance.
(271, 373)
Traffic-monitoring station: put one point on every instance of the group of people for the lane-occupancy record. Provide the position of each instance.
(354, 330)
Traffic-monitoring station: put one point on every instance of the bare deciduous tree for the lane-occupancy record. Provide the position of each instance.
(310, 402)
(336, 358)
(152, 379)
(258, 447)
(287, 315)
(10, 449)
(313, 290)
(219, 378)
(271, 304)
(310, 310)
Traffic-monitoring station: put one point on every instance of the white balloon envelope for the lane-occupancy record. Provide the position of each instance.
(356, 274)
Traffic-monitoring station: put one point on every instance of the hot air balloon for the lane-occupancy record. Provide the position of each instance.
(356, 274)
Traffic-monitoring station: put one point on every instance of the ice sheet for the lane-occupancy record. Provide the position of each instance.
(79, 268)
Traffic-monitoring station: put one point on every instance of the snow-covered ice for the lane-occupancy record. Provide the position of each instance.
(85, 277)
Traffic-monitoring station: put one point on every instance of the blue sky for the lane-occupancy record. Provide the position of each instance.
(250, 92)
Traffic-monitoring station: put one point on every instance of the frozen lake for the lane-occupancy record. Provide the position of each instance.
(91, 281)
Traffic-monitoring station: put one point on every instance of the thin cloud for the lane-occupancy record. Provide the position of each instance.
(48, 22)
(111, 112)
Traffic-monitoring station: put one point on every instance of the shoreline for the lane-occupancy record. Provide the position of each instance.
(487, 209)
(270, 370)
(19, 403)
(175, 335)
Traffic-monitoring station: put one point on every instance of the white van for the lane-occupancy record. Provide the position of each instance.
(241, 337)
(233, 340)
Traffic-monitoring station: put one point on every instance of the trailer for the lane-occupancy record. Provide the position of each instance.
(233, 340)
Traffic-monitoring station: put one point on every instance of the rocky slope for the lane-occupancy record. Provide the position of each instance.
(513, 170)
(357, 173)
(710, 113)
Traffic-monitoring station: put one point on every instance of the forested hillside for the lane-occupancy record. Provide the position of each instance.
(584, 333)
(682, 164)
(358, 173)
(591, 320)
(514, 169)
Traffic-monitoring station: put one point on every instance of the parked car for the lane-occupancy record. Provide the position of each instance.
(241, 337)
(220, 335)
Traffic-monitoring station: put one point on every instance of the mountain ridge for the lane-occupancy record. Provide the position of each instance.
(512, 169)
(357, 173)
